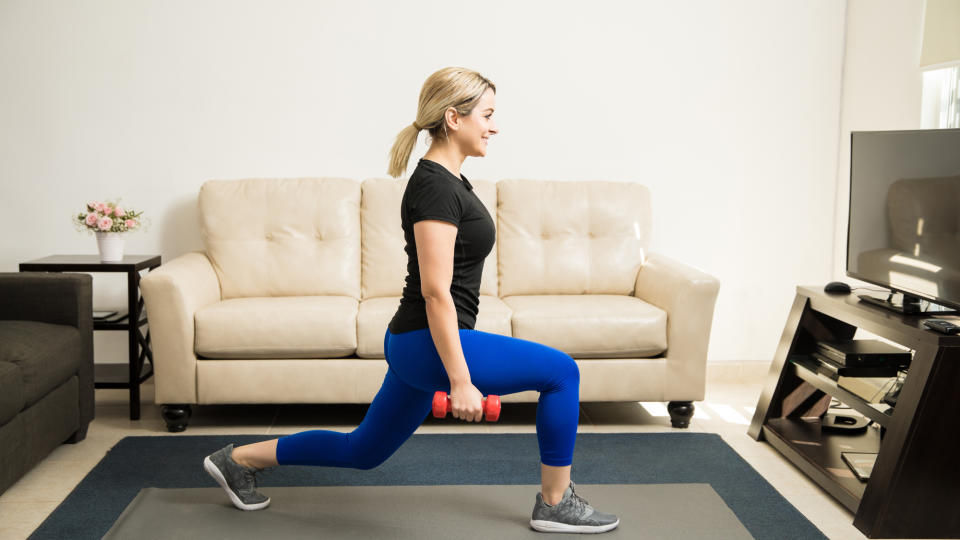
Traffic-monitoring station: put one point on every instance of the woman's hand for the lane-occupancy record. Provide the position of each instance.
(466, 402)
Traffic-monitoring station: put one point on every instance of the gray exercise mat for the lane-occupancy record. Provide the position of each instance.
(648, 511)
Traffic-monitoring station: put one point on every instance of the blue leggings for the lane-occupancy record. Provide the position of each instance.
(498, 365)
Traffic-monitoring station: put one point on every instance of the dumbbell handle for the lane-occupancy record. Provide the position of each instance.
(442, 406)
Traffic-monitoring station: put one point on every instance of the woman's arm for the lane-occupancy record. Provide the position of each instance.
(435, 242)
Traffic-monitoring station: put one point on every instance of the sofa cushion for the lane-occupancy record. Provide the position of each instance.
(564, 237)
(494, 316)
(373, 316)
(283, 237)
(278, 327)
(11, 391)
(375, 313)
(384, 259)
(591, 326)
(46, 355)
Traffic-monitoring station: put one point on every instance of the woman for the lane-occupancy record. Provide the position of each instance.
(430, 344)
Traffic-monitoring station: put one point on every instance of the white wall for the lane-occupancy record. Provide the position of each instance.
(882, 88)
(728, 110)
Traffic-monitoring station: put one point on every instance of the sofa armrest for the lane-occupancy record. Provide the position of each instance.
(56, 298)
(688, 295)
(172, 294)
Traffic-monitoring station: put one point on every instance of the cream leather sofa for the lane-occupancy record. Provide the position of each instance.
(290, 300)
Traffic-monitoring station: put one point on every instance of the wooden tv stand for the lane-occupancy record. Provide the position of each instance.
(914, 488)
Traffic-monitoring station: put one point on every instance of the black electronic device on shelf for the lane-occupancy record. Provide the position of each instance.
(864, 353)
(843, 422)
(833, 370)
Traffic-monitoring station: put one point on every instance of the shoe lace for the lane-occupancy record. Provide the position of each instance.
(579, 502)
(251, 474)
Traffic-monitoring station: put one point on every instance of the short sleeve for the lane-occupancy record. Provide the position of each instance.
(436, 199)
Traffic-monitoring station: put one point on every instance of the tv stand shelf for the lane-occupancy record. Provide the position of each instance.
(805, 368)
(914, 489)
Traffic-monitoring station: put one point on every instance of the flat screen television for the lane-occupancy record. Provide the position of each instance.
(904, 228)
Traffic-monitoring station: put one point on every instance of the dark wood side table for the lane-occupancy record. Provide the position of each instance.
(115, 375)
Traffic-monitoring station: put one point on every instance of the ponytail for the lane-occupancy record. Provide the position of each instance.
(402, 148)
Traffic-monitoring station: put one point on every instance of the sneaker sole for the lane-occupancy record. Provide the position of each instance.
(213, 471)
(553, 526)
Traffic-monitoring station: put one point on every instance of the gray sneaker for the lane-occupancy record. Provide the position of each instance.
(239, 481)
(571, 515)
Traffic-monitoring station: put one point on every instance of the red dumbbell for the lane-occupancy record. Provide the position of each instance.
(491, 406)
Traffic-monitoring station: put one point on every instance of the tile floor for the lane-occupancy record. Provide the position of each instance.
(731, 396)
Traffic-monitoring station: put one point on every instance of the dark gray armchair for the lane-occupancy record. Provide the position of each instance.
(46, 367)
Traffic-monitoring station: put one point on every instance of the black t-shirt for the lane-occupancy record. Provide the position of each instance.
(433, 192)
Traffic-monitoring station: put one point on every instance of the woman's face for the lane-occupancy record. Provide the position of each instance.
(477, 127)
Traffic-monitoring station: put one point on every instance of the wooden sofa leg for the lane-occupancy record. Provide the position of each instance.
(680, 413)
(78, 435)
(177, 416)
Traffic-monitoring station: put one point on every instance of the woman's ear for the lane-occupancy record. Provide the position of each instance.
(452, 118)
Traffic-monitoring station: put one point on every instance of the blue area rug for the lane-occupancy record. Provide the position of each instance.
(481, 459)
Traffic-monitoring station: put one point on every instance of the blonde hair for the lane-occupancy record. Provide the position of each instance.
(456, 87)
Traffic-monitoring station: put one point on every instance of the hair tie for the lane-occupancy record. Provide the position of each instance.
(418, 128)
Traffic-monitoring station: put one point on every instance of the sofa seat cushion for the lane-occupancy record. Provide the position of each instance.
(494, 316)
(372, 319)
(46, 355)
(591, 325)
(11, 391)
(375, 315)
(278, 327)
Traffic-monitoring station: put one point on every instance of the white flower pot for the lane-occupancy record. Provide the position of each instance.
(110, 245)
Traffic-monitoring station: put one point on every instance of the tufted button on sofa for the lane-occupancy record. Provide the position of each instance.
(290, 299)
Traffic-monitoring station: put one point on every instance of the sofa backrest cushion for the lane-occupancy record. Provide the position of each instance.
(283, 236)
(583, 237)
(384, 261)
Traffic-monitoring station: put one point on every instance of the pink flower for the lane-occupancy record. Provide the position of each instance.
(130, 223)
(118, 212)
(92, 206)
(91, 219)
(105, 224)
(102, 208)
